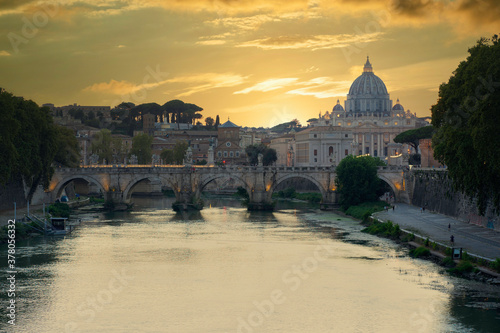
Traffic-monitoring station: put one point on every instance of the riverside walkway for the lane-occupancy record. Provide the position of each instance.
(472, 238)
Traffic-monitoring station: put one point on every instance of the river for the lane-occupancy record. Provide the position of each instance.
(224, 269)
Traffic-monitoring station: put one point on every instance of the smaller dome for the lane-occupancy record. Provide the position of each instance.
(398, 107)
(338, 107)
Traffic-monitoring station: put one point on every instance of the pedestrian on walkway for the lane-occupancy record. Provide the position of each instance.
(421, 210)
(452, 239)
(393, 207)
(449, 226)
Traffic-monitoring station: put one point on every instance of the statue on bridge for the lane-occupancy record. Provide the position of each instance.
(133, 160)
(156, 159)
(188, 157)
(259, 159)
(94, 159)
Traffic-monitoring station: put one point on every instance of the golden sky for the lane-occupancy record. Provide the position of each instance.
(258, 62)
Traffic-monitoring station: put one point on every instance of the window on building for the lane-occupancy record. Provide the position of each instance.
(315, 159)
(330, 151)
(386, 122)
(408, 122)
(339, 123)
(225, 153)
(315, 135)
(367, 150)
(231, 154)
(385, 151)
(315, 152)
(346, 152)
(375, 152)
(360, 152)
(349, 123)
(395, 123)
(219, 154)
(346, 135)
(367, 137)
(237, 154)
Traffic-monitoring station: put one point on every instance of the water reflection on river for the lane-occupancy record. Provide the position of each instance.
(227, 270)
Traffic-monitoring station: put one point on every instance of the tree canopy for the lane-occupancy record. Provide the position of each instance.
(141, 147)
(30, 142)
(357, 180)
(413, 136)
(253, 151)
(466, 119)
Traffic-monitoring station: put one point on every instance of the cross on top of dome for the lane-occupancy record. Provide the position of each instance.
(368, 67)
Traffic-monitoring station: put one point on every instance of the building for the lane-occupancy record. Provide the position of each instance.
(369, 114)
(148, 124)
(322, 146)
(285, 149)
(229, 149)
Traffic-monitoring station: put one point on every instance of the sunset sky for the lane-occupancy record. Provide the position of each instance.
(258, 62)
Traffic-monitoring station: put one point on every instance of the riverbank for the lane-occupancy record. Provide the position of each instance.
(465, 263)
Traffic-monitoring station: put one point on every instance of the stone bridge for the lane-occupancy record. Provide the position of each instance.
(117, 183)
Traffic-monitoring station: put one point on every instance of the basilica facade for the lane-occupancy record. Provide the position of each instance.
(366, 124)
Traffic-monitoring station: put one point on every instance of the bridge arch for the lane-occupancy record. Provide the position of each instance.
(391, 184)
(127, 192)
(278, 181)
(61, 185)
(206, 181)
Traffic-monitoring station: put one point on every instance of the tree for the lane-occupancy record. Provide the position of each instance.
(102, 146)
(28, 142)
(253, 151)
(68, 151)
(167, 155)
(466, 119)
(357, 180)
(184, 112)
(180, 151)
(413, 136)
(141, 147)
(209, 122)
(217, 122)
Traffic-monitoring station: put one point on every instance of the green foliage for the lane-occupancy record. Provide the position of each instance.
(286, 127)
(387, 229)
(209, 122)
(359, 211)
(59, 209)
(109, 205)
(141, 147)
(409, 238)
(420, 252)
(253, 151)
(413, 136)
(496, 265)
(68, 152)
(202, 162)
(464, 266)
(102, 146)
(448, 262)
(357, 180)
(426, 243)
(180, 149)
(466, 119)
(182, 112)
(28, 142)
(96, 200)
(167, 155)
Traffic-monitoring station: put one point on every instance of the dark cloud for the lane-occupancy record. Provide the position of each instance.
(414, 8)
(13, 4)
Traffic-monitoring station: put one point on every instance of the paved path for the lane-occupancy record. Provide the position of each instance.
(472, 238)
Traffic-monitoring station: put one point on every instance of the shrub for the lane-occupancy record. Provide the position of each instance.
(448, 262)
(420, 252)
(59, 209)
(409, 237)
(464, 266)
(426, 243)
(496, 265)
